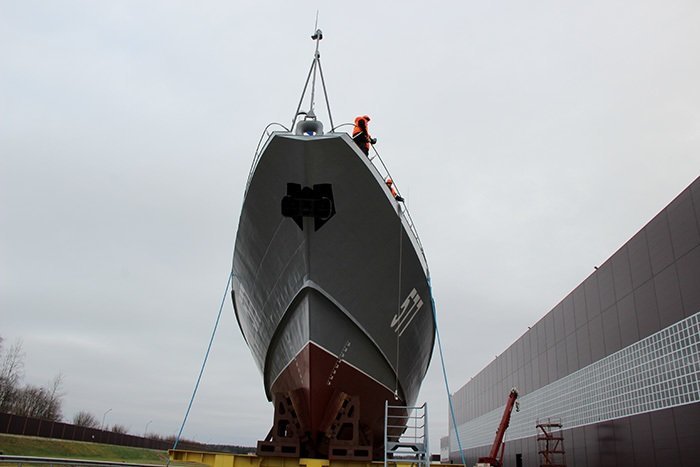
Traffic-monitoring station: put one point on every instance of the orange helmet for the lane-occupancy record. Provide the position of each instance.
(389, 181)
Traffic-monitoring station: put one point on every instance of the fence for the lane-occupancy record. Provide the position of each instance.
(52, 461)
(27, 426)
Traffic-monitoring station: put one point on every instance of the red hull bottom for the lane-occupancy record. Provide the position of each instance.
(327, 408)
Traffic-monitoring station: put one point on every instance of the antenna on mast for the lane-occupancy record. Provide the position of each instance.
(317, 36)
(315, 67)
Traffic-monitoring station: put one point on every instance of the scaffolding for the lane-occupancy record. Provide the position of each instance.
(550, 443)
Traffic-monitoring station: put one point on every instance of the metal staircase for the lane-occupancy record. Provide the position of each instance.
(406, 434)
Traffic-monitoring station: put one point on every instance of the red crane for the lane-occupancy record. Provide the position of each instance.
(498, 444)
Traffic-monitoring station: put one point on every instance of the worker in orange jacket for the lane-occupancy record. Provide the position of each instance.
(392, 188)
(360, 134)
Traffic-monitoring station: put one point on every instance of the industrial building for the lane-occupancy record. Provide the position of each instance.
(616, 362)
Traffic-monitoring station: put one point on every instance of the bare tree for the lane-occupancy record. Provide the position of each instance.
(11, 373)
(85, 419)
(38, 402)
(119, 429)
(55, 398)
(29, 401)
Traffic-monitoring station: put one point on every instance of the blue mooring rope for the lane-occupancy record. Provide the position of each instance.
(444, 374)
(204, 363)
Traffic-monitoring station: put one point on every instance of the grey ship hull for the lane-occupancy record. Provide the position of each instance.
(340, 308)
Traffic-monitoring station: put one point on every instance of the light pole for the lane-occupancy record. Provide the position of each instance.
(103, 418)
(145, 430)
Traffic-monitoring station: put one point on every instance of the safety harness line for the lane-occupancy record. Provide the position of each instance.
(398, 298)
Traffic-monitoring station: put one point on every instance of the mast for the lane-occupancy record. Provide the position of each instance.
(313, 71)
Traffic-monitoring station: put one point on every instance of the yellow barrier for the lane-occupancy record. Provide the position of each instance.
(220, 459)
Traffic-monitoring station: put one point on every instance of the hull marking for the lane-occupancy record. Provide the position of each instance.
(409, 309)
(337, 362)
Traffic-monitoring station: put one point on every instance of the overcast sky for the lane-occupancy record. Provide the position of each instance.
(531, 140)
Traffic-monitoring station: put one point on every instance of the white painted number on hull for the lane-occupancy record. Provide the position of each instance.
(409, 310)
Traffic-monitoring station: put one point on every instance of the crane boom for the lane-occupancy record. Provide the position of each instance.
(493, 458)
